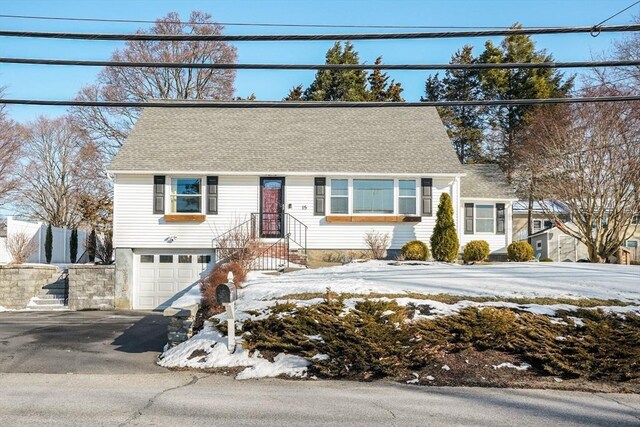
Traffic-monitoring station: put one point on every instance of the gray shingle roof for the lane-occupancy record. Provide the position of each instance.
(486, 181)
(296, 140)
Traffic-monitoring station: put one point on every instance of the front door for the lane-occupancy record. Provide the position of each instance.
(271, 207)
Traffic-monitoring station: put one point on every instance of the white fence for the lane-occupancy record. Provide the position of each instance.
(37, 231)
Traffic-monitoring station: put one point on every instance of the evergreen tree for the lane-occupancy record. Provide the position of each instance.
(464, 123)
(347, 85)
(295, 94)
(444, 240)
(73, 246)
(48, 244)
(91, 245)
(508, 124)
(380, 90)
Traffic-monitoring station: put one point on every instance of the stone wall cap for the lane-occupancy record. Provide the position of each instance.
(92, 266)
(188, 311)
(29, 267)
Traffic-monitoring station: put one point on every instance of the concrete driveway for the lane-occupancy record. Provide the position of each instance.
(89, 342)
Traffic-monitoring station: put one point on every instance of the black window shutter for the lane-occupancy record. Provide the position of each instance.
(319, 196)
(212, 195)
(499, 218)
(427, 196)
(158, 194)
(468, 218)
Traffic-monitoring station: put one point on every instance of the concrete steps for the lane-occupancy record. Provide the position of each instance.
(52, 297)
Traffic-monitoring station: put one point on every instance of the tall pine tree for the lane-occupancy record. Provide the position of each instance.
(464, 124)
(347, 85)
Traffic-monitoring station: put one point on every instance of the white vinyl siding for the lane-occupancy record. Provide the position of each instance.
(136, 226)
(497, 242)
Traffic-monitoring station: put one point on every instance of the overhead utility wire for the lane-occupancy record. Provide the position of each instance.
(233, 66)
(315, 37)
(245, 24)
(595, 30)
(310, 104)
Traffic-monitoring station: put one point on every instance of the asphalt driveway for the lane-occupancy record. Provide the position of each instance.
(89, 342)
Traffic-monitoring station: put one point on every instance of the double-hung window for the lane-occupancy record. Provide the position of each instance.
(373, 196)
(407, 197)
(485, 219)
(186, 195)
(339, 196)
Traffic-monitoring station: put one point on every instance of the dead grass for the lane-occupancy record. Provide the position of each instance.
(452, 299)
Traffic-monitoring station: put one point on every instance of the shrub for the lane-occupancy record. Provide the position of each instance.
(415, 250)
(444, 240)
(476, 250)
(104, 248)
(90, 245)
(377, 243)
(546, 260)
(20, 246)
(73, 246)
(218, 276)
(520, 251)
(48, 244)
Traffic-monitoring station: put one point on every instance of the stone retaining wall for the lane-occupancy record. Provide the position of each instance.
(20, 283)
(180, 327)
(92, 287)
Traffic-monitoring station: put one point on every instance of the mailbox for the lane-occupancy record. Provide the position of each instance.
(226, 293)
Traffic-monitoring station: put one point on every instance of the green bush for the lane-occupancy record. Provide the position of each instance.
(476, 250)
(415, 250)
(520, 251)
(546, 260)
(444, 240)
(48, 244)
(73, 246)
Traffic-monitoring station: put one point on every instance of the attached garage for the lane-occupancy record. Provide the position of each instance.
(161, 278)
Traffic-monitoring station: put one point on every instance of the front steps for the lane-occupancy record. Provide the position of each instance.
(274, 256)
(52, 297)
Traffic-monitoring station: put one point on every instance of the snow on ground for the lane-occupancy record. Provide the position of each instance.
(2, 309)
(261, 291)
(557, 280)
(213, 353)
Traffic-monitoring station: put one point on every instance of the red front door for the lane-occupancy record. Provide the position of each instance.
(271, 207)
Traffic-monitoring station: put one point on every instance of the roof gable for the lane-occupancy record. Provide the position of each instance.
(276, 139)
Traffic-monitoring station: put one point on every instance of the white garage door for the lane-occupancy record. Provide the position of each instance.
(160, 278)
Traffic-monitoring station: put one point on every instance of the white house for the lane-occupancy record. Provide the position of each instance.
(317, 178)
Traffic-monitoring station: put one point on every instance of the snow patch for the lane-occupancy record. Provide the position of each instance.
(320, 356)
(210, 348)
(522, 367)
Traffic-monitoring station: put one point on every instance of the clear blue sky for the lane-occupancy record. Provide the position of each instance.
(42, 82)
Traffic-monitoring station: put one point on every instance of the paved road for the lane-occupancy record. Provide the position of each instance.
(96, 368)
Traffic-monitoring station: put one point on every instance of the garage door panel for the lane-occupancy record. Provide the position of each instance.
(157, 284)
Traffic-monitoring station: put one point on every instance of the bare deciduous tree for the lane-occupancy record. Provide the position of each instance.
(59, 169)
(110, 126)
(9, 154)
(590, 161)
(21, 246)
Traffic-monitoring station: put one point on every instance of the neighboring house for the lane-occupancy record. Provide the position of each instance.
(315, 180)
(36, 232)
(540, 220)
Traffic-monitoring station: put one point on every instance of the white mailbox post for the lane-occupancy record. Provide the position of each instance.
(226, 294)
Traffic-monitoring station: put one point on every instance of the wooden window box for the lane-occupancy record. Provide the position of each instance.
(372, 218)
(184, 218)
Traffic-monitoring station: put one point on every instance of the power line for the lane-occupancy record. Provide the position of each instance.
(595, 30)
(233, 66)
(246, 24)
(315, 37)
(311, 104)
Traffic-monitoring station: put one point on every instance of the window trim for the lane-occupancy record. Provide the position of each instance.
(414, 197)
(475, 218)
(172, 195)
(331, 196)
(350, 195)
